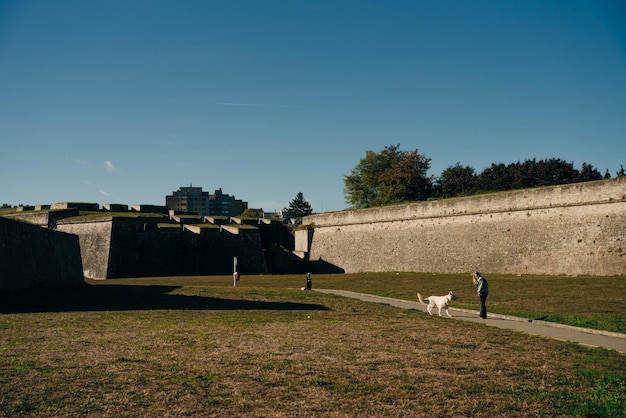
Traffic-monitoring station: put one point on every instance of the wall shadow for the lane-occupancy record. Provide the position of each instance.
(87, 298)
(324, 267)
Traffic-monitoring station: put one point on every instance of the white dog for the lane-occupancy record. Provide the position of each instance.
(440, 302)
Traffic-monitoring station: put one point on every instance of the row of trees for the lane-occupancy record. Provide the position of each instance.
(395, 176)
(458, 180)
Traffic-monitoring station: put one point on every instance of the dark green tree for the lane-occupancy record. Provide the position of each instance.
(298, 207)
(533, 173)
(588, 173)
(555, 171)
(456, 181)
(621, 172)
(495, 178)
(386, 177)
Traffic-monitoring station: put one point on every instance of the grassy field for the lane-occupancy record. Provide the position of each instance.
(578, 301)
(175, 347)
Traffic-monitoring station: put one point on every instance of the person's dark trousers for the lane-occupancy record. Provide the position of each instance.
(483, 306)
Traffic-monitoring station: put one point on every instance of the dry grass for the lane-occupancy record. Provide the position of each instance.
(199, 347)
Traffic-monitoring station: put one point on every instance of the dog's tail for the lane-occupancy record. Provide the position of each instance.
(424, 301)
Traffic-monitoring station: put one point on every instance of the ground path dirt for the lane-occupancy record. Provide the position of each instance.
(584, 336)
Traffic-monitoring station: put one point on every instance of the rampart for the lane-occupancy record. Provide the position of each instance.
(45, 217)
(76, 205)
(31, 256)
(158, 242)
(117, 247)
(573, 229)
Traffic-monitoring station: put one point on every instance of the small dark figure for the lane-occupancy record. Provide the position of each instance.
(483, 291)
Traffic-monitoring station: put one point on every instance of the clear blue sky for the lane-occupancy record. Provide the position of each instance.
(124, 101)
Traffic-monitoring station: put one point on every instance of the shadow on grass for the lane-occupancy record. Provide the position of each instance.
(127, 298)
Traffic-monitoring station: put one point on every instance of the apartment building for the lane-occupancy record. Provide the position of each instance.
(193, 199)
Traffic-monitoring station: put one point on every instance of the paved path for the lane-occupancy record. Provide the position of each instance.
(584, 336)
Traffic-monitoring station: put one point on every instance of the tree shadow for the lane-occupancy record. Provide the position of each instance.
(128, 298)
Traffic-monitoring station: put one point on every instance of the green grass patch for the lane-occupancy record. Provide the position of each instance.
(576, 301)
(87, 215)
(163, 225)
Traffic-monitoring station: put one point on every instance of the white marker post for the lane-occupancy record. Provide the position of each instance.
(235, 274)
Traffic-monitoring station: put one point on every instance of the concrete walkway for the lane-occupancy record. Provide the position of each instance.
(584, 336)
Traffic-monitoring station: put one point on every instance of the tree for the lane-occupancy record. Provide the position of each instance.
(555, 171)
(390, 176)
(495, 178)
(621, 172)
(250, 213)
(533, 173)
(456, 181)
(298, 207)
(588, 173)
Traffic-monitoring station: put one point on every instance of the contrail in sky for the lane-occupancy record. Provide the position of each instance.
(97, 187)
(77, 161)
(249, 104)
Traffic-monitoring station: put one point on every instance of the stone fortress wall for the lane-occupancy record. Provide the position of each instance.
(575, 229)
(31, 256)
(153, 241)
(117, 247)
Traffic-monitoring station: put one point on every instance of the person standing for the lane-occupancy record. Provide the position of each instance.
(483, 291)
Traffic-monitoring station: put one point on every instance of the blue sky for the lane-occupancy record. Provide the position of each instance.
(125, 101)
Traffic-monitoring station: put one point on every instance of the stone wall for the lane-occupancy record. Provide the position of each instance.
(570, 229)
(45, 218)
(31, 256)
(133, 247)
(76, 205)
(115, 207)
(95, 243)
